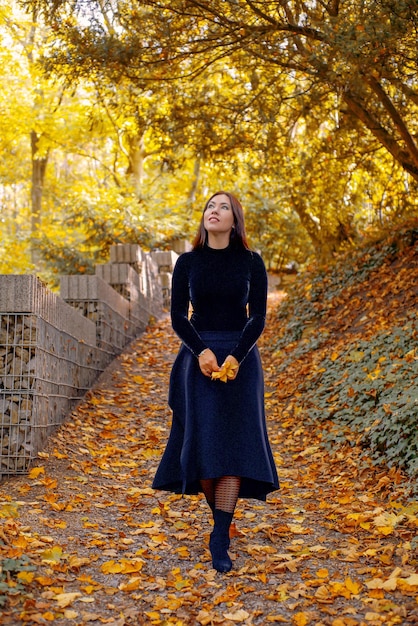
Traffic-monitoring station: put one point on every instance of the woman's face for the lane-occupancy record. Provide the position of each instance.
(219, 217)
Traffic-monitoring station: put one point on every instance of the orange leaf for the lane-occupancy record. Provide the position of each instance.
(111, 567)
(233, 531)
(45, 581)
(36, 471)
(132, 585)
(227, 372)
(301, 619)
(352, 586)
(50, 617)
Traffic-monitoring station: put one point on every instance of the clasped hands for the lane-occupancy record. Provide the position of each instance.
(209, 366)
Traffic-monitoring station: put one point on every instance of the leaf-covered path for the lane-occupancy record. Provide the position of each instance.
(330, 548)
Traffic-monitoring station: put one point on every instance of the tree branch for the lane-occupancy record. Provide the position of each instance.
(405, 89)
(333, 7)
(381, 134)
(394, 115)
(261, 14)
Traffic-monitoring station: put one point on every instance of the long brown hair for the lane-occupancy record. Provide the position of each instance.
(238, 236)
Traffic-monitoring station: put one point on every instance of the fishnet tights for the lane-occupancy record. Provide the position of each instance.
(222, 493)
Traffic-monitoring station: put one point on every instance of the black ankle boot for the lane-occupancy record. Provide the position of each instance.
(219, 541)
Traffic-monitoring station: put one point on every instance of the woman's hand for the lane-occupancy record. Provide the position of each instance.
(208, 363)
(235, 366)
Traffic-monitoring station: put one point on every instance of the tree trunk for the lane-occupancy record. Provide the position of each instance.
(38, 177)
(408, 160)
(192, 193)
(136, 157)
(325, 242)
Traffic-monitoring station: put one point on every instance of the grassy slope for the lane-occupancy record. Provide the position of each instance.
(345, 343)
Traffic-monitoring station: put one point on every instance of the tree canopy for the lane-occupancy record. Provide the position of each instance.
(306, 110)
(362, 52)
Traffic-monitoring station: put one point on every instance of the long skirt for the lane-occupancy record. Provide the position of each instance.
(218, 429)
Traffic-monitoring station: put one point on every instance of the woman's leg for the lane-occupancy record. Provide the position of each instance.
(226, 496)
(226, 493)
(221, 493)
(208, 488)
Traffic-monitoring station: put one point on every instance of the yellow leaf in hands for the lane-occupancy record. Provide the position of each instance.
(227, 372)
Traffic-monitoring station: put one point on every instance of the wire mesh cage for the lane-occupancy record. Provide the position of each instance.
(43, 373)
(52, 349)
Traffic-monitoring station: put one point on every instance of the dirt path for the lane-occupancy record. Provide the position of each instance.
(328, 549)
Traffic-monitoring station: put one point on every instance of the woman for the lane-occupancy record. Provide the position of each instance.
(218, 442)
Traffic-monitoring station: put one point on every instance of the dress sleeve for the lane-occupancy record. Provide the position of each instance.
(180, 302)
(257, 304)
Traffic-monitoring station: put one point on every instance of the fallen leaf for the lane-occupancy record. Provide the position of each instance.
(52, 555)
(36, 471)
(238, 616)
(65, 599)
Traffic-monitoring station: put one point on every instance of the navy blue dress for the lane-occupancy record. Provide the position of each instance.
(218, 429)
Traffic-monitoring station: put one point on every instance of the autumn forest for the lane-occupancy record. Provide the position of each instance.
(118, 119)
